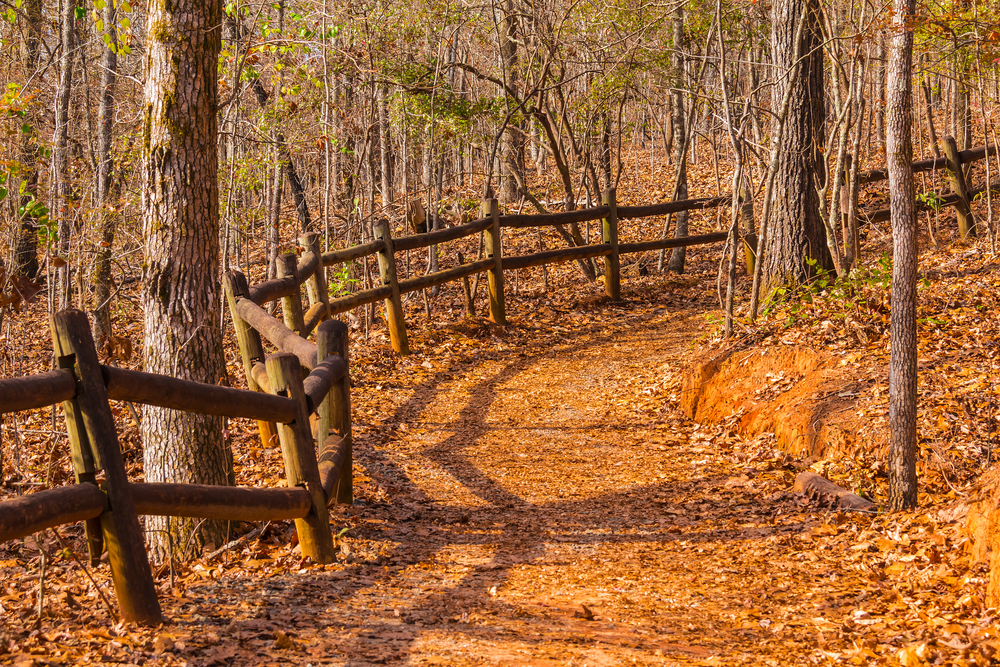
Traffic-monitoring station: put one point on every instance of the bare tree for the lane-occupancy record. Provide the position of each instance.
(678, 123)
(62, 199)
(26, 244)
(106, 214)
(903, 320)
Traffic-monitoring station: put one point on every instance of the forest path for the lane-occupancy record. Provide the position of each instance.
(550, 505)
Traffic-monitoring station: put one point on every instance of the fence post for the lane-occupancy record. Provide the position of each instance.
(133, 579)
(609, 233)
(494, 249)
(291, 306)
(299, 453)
(470, 303)
(393, 304)
(86, 461)
(956, 177)
(335, 412)
(316, 283)
(251, 347)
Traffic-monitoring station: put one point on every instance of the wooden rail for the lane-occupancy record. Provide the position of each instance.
(254, 325)
(961, 196)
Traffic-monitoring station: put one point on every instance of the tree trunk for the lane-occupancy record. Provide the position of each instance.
(903, 320)
(385, 146)
(108, 216)
(26, 244)
(679, 123)
(180, 292)
(512, 148)
(797, 233)
(880, 89)
(62, 204)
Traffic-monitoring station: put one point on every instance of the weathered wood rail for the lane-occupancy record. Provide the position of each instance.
(298, 323)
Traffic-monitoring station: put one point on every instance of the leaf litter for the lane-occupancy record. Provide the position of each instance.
(534, 495)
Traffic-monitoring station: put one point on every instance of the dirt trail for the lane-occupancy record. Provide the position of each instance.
(551, 507)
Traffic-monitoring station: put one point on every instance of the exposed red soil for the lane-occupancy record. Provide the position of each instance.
(806, 398)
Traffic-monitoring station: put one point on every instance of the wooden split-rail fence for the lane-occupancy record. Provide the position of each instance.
(300, 395)
(110, 504)
(961, 196)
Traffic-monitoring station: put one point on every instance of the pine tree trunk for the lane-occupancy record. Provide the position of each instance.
(108, 216)
(903, 319)
(385, 147)
(797, 233)
(180, 293)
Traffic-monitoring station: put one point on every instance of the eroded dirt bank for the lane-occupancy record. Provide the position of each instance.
(807, 398)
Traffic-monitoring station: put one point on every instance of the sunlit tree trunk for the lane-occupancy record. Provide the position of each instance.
(62, 205)
(385, 146)
(512, 148)
(180, 292)
(903, 320)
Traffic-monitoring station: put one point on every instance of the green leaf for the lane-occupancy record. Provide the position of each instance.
(126, 23)
(124, 48)
(26, 128)
(81, 13)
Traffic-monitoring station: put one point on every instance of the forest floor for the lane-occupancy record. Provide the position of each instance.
(534, 495)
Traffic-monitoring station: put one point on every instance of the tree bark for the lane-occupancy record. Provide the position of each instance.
(26, 244)
(903, 319)
(512, 148)
(180, 293)
(797, 234)
(385, 146)
(62, 204)
(107, 215)
(679, 122)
